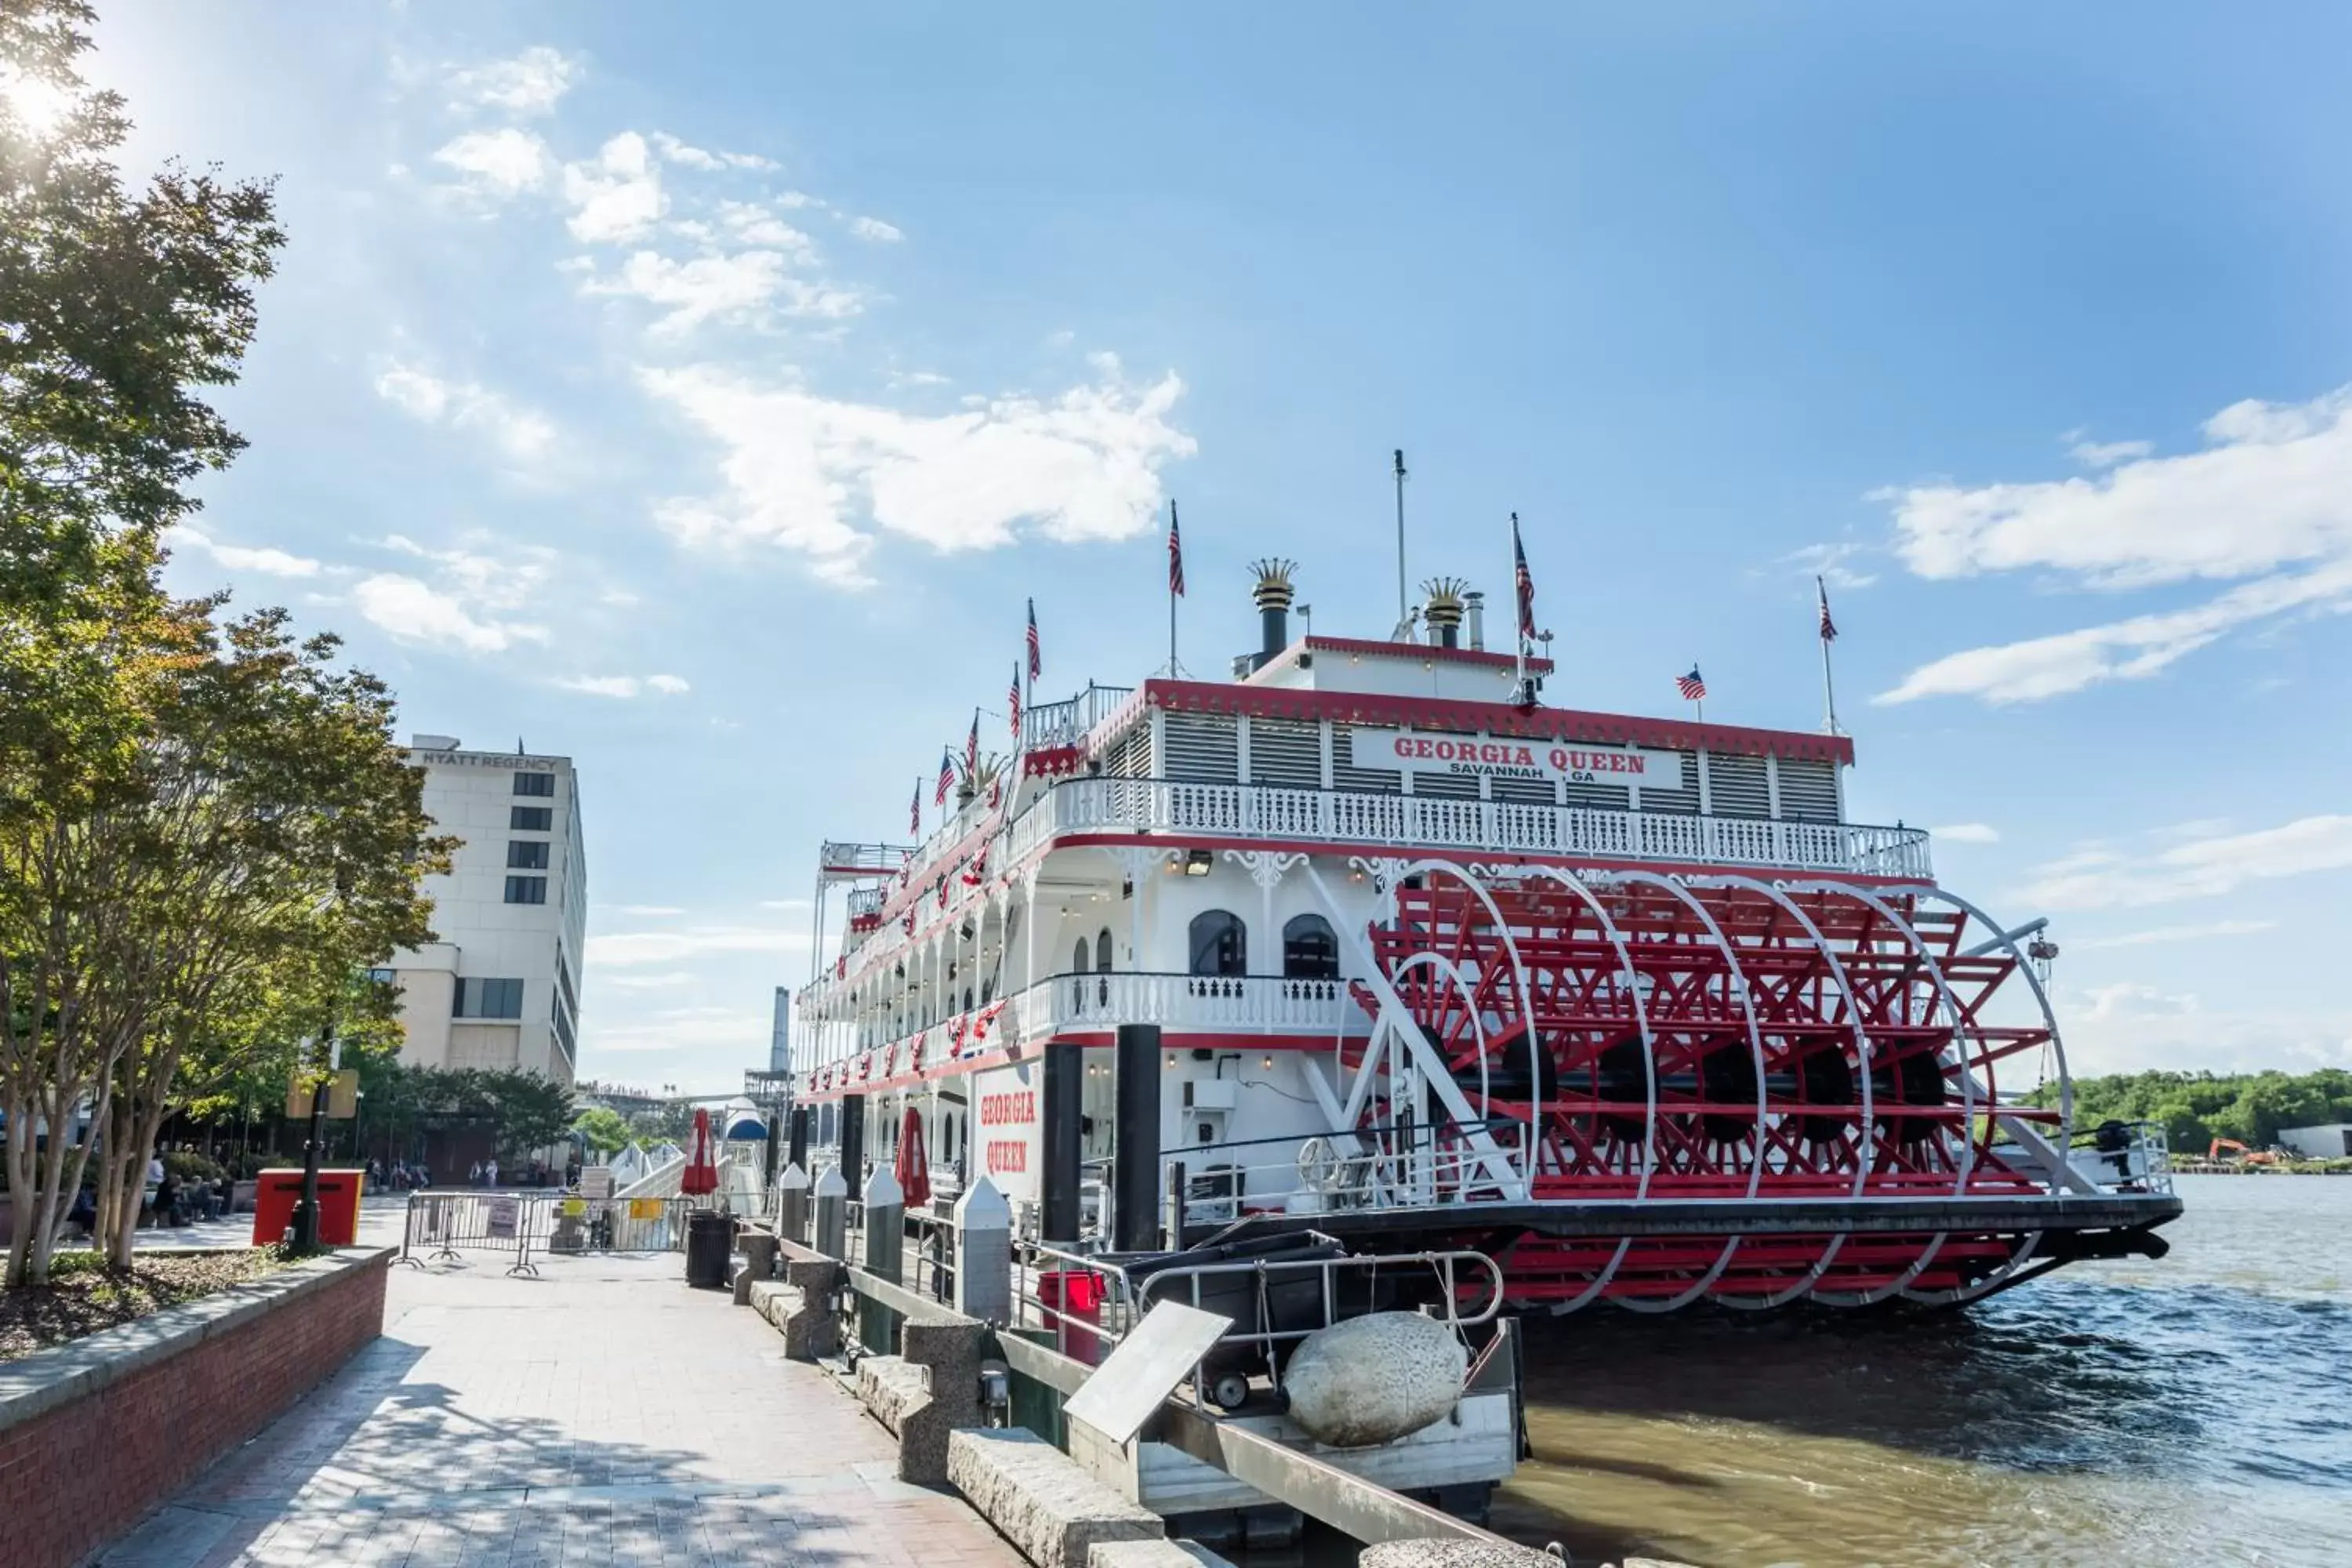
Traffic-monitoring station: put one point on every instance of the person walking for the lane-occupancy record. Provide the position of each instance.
(490, 1172)
(474, 1176)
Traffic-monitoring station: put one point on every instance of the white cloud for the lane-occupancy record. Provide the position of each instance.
(2130, 1028)
(1828, 562)
(2107, 453)
(263, 559)
(617, 198)
(660, 981)
(756, 224)
(502, 162)
(2268, 499)
(2100, 877)
(807, 472)
(2129, 649)
(738, 288)
(875, 229)
(684, 1028)
(678, 151)
(1967, 833)
(2274, 487)
(466, 603)
(518, 433)
(629, 948)
(623, 685)
(532, 82)
(413, 611)
(2178, 933)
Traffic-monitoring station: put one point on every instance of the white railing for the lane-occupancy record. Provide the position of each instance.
(1074, 1003)
(1429, 822)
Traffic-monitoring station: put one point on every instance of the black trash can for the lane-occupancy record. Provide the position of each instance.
(710, 1237)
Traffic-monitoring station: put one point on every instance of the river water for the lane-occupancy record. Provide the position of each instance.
(2196, 1409)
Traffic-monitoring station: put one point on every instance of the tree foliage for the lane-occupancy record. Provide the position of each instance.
(206, 826)
(525, 1112)
(2197, 1108)
(602, 1129)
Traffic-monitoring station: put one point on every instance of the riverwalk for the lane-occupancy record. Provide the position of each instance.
(601, 1414)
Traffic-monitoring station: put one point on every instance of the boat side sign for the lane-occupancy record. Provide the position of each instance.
(1473, 754)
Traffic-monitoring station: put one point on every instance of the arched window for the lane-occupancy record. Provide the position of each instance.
(1102, 950)
(1220, 947)
(1309, 951)
(1078, 957)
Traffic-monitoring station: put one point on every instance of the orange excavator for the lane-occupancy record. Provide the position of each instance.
(2245, 1155)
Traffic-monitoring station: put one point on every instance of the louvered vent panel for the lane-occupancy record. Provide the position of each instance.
(1345, 774)
(1537, 792)
(1286, 752)
(1446, 786)
(1735, 786)
(1202, 748)
(1683, 797)
(1808, 790)
(1130, 756)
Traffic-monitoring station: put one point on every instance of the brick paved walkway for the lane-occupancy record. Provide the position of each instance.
(601, 1416)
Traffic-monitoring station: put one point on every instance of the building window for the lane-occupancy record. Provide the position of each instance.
(535, 783)
(385, 976)
(526, 889)
(1309, 951)
(487, 999)
(531, 818)
(1220, 947)
(527, 854)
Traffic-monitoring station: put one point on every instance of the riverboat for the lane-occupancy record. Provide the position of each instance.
(1421, 961)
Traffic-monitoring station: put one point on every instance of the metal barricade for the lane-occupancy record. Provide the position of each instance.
(444, 1226)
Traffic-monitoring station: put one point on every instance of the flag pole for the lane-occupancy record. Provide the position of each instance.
(1519, 621)
(1828, 687)
(1828, 635)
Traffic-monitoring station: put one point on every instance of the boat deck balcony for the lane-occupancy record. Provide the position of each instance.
(1088, 1007)
(1148, 806)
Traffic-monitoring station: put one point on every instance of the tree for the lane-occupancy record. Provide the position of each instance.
(602, 1129)
(206, 826)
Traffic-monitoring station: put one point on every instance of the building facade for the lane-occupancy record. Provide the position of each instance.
(501, 990)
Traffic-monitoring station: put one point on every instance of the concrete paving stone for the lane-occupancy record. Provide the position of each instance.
(601, 1417)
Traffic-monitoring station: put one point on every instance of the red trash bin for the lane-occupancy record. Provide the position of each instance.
(1073, 1293)
(277, 1191)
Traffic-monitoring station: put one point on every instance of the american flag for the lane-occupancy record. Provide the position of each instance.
(995, 791)
(914, 820)
(947, 777)
(1692, 686)
(1012, 701)
(1524, 584)
(1037, 659)
(1175, 555)
(1829, 627)
(972, 748)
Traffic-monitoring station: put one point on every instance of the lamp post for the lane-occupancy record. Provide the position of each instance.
(306, 1213)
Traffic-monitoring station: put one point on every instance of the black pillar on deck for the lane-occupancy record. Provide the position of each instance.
(853, 1145)
(1135, 1132)
(1061, 1140)
(796, 1141)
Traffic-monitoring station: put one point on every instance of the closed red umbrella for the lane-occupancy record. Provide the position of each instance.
(701, 1174)
(914, 1167)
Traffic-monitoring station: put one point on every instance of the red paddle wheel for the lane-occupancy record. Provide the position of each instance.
(1636, 1040)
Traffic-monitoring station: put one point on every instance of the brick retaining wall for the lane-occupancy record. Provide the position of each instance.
(95, 1433)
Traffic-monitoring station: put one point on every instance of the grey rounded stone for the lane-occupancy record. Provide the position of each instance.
(1374, 1379)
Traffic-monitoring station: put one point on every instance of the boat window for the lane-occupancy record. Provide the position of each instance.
(1220, 947)
(1309, 951)
(1078, 957)
(1102, 950)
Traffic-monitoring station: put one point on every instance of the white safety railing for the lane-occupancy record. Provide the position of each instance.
(1429, 822)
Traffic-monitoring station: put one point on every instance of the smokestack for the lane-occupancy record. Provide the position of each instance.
(1473, 610)
(1273, 597)
(1442, 611)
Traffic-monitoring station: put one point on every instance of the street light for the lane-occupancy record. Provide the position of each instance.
(306, 1213)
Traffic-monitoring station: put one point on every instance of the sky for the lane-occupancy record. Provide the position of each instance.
(701, 391)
